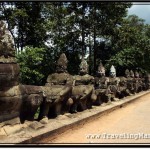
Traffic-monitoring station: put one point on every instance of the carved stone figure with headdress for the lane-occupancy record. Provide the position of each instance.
(142, 81)
(17, 100)
(113, 85)
(124, 91)
(10, 101)
(57, 92)
(83, 92)
(147, 81)
(7, 51)
(131, 82)
(138, 82)
(101, 85)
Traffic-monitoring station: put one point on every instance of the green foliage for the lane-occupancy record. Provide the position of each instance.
(25, 22)
(33, 67)
(131, 45)
(100, 29)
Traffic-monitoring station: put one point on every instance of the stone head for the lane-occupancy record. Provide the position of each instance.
(2, 26)
(101, 70)
(6, 42)
(127, 73)
(112, 71)
(136, 74)
(83, 67)
(131, 74)
(62, 64)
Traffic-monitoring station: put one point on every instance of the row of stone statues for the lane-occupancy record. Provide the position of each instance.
(66, 93)
(62, 93)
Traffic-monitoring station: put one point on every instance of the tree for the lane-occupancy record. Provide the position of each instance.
(76, 28)
(35, 65)
(131, 45)
(105, 18)
(25, 22)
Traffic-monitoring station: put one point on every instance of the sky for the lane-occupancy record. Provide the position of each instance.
(142, 10)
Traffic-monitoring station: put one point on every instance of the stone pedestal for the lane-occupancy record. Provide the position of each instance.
(10, 95)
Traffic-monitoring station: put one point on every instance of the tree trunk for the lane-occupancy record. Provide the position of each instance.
(83, 35)
(94, 38)
(90, 59)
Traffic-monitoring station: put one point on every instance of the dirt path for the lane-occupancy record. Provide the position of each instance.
(130, 124)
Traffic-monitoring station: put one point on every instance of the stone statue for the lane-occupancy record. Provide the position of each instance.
(32, 97)
(83, 67)
(127, 73)
(129, 82)
(62, 93)
(62, 64)
(132, 82)
(142, 81)
(113, 85)
(101, 84)
(124, 91)
(138, 82)
(10, 96)
(147, 81)
(57, 92)
(18, 102)
(7, 51)
(83, 93)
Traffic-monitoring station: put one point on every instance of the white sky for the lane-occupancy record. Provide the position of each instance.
(142, 10)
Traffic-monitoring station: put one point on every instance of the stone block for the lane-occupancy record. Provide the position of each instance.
(2, 132)
(36, 125)
(12, 129)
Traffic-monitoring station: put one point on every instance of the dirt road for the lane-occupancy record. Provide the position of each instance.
(129, 124)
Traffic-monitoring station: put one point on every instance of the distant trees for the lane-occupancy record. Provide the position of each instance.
(131, 45)
(25, 22)
(99, 30)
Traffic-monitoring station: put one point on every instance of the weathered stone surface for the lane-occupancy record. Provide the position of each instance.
(101, 86)
(12, 129)
(31, 89)
(10, 107)
(62, 64)
(2, 132)
(57, 91)
(113, 85)
(36, 125)
(83, 93)
(11, 91)
(13, 121)
(30, 106)
(56, 100)
(44, 120)
(83, 67)
(59, 79)
(83, 80)
(9, 74)
(6, 44)
(10, 96)
(147, 81)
